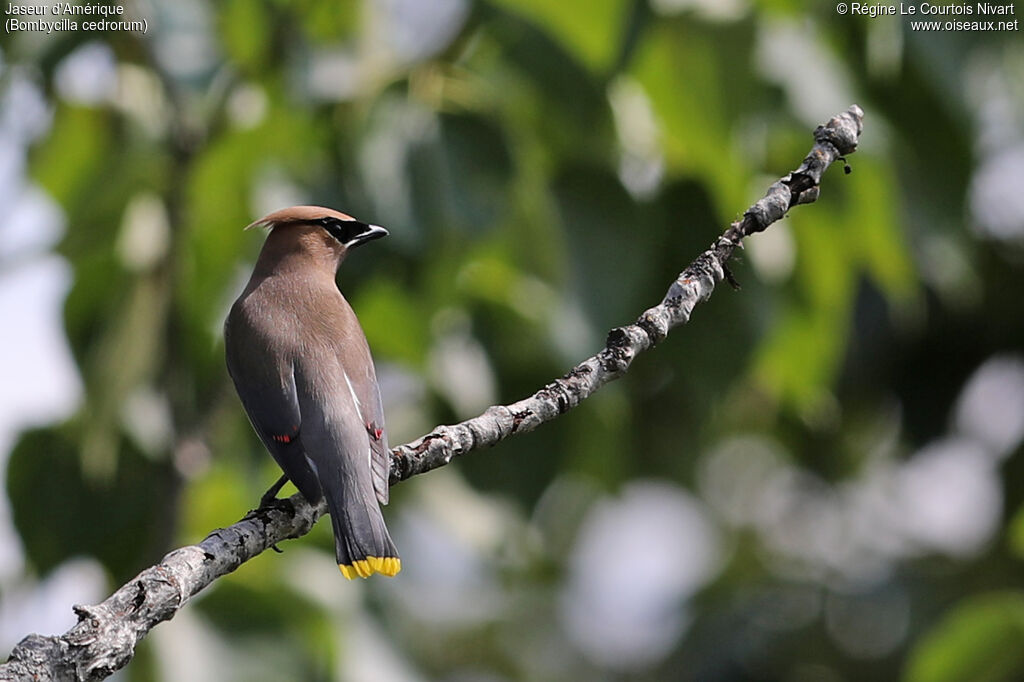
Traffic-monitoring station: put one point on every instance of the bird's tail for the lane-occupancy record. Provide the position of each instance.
(361, 540)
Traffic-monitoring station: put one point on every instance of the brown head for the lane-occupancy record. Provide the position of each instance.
(312, 236)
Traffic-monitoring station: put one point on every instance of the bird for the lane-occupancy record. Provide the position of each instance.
(302, 368)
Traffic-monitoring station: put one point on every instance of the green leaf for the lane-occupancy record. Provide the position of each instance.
(799, 358)
(60, 513)
(326, 22)
(478, 166)
(125, 357)
(245, 29)
(216, 499)
(589, 29)
(461, 178)
(609, 243)
(244, 609)
(874, 227)
(1015, 533)
(562, 102)
(980, 640)
(395, 323)
(69, 161)
(694, 75)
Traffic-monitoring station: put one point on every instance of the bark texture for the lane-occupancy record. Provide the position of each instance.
(105, 637)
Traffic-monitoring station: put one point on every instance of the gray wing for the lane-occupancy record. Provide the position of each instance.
(380, 457)
(266, 387)
(362, 379)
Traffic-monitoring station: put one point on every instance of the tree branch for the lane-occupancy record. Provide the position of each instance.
(105, 637)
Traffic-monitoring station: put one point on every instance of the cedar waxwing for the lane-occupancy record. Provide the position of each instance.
(301, 366)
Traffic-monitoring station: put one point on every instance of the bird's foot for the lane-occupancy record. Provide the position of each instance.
(270, 496)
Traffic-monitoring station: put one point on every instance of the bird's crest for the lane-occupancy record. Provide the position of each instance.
(297, 214)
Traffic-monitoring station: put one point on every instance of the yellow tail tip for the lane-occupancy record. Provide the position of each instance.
(364, 568)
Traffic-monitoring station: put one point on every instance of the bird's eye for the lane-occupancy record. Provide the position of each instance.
(342, 230)
(352, 232)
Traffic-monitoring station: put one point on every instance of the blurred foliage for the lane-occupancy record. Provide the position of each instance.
(545, 168)
(980, 640)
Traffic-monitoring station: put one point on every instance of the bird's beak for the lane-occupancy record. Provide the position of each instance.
(375, 232)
